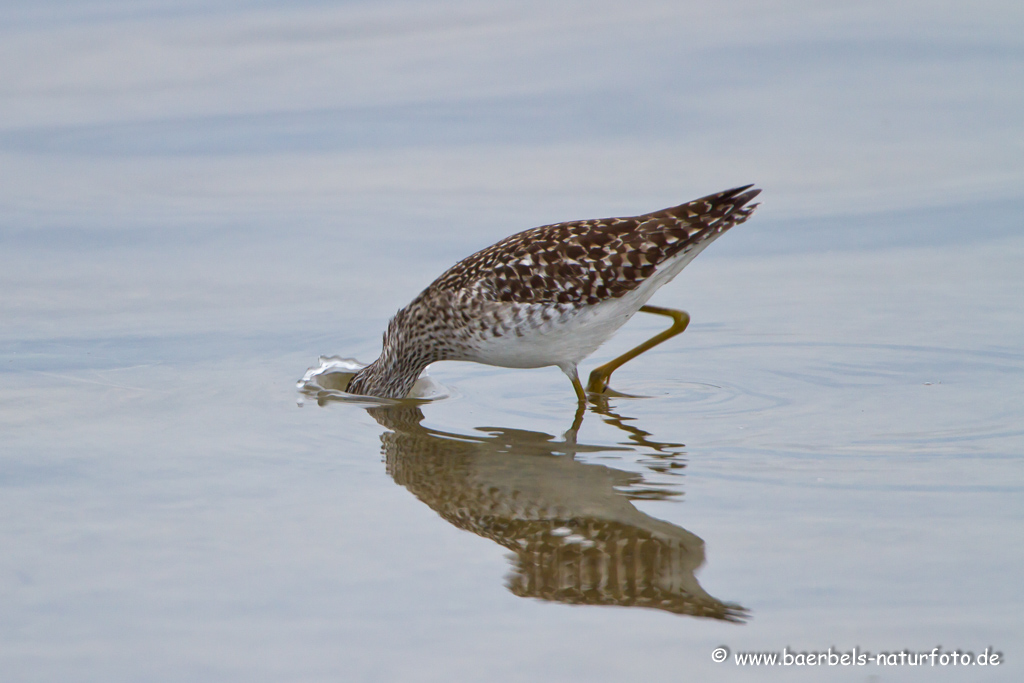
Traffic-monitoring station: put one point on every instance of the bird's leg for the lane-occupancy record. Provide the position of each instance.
(598, 382)
(577, 386)
(570, 371)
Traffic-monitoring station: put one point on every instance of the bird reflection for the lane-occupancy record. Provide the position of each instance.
(575, 536)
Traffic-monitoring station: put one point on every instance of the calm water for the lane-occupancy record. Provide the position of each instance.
(197, 204)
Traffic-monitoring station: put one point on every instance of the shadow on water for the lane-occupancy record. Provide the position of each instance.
(572, 528)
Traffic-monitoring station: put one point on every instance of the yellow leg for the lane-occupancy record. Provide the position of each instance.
(578, 387)
(570, 371)
(598, 381)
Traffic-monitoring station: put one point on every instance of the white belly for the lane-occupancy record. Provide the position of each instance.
(565, 338)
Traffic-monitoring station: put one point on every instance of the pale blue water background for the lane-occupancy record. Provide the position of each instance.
(196, 202)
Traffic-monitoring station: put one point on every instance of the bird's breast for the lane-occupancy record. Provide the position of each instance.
(539, 335)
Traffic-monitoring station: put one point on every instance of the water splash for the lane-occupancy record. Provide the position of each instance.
(329, 380)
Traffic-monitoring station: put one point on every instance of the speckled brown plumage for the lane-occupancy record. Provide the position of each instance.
(585, 262)
(517, 302)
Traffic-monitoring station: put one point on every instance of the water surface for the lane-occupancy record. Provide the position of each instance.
(199, 203)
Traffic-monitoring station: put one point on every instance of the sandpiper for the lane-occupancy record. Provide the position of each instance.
(551, 295)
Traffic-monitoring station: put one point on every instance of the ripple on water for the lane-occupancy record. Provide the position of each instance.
(721, 398)
(868, 399)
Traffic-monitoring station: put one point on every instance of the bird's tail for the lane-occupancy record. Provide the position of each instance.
(721, 210)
